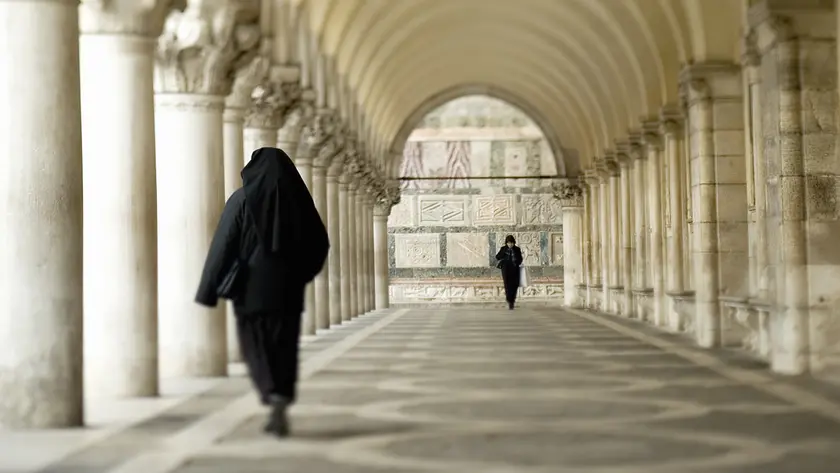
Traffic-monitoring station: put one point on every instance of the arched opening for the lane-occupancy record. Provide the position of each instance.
(473, 171)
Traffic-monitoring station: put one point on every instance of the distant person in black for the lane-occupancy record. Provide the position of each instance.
(271, 228)
(510, 258)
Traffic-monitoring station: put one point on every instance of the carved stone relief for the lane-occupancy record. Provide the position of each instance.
(556, 241)
(467, 250)
(417, 250)
(442, 211)
(494, 210)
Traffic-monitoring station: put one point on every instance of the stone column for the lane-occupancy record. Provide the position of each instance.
(595, 240)
(40, 216)
(322, 280)
(641, 270)
(586, 243)
(366, 220)
(380, 248)
(309, 325)
(234, 160)
(800, 175)
(345, 219)
(371, 259)
(359, 241)
(353, 246)
(334, 230)
(189, 104)
(626, 224)
(120, 222)
(604, 227)
(571, 197)
(653, 149)
(672, 130)
(719, 192)
(613, 209)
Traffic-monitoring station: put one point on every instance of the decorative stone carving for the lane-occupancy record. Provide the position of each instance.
(269, 106)
(556, 241)
(246, 78)
(467, 250)
(387, 198)
(415, 250)
(144, 18)
(442, 210)
(494, 210)
(315, 134)
(570, 195)
(199, 46)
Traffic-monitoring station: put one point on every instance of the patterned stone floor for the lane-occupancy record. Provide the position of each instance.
(491, 391)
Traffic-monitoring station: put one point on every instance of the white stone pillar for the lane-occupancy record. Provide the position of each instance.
(604, 227)
(309, 325)
(322, 280)
(353, 247)
(614, 218)
(189, 126)
(573, 256)
(40, 216)
(371, 256)
(120, 222)
(640, 278)
(190, 180)
(234, 159)
(334, 232)
(361, 275)
(654, 199)
(345, 243)
(675, 280)
(627, 218)
(380, 247)
(719, 193)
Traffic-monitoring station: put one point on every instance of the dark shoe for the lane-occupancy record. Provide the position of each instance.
(278, 420)
(510, 305)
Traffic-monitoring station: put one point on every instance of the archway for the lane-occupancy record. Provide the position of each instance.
(474, 170)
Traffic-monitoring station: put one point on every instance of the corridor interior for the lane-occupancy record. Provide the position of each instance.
(460, 390)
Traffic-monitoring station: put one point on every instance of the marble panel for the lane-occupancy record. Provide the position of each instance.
(402, 214)
(466, 250)
(481, 158)
(494, 210)
(417, 250)
(556, 254)
(442, 210)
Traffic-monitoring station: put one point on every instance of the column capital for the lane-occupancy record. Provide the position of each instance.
(245, 79)
(199, 46)
(316, 131)
(623, 153)
(570, 195)
(772, 22)
(651, 136)
(712, 79)
(115, 17)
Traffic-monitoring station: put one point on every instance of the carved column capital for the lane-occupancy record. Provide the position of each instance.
(140, 18)
(200, 45)
(570, 195)
(271, 102)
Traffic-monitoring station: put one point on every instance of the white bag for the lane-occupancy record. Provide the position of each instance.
(524, 277)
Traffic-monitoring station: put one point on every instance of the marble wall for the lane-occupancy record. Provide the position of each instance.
(486, 171)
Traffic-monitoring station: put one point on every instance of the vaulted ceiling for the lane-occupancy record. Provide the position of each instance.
(585, 70)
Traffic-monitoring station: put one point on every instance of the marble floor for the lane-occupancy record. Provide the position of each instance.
(476, 390)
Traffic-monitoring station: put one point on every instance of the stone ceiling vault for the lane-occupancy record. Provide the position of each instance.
(586, 70)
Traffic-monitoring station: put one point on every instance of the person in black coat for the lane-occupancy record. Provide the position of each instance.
(272, 240)
(510, 259)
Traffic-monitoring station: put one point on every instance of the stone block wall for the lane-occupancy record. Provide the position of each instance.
(446, 231)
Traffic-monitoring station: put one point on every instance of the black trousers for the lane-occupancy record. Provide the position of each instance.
(510, 277)
(269, 345)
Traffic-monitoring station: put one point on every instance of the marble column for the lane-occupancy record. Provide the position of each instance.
(234, 161)
(595, 281)
(346, 251)
(721, 266)
(371, 255)
(604, 227)
(334, 232)
(120, 222)
(641, 263)
(627, 218)
(322, 280)
(573, 257)
(309, 325)
(614, 214)
(380, 247)
(359, 237)
(675, 282)
(41, 216)
(365, 240)
(653, 147)
(586, 244)
(353, 246)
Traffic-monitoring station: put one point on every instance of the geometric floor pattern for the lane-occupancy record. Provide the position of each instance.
(487, 390)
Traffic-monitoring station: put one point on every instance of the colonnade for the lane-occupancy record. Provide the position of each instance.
(122, 136)
(718, 217)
